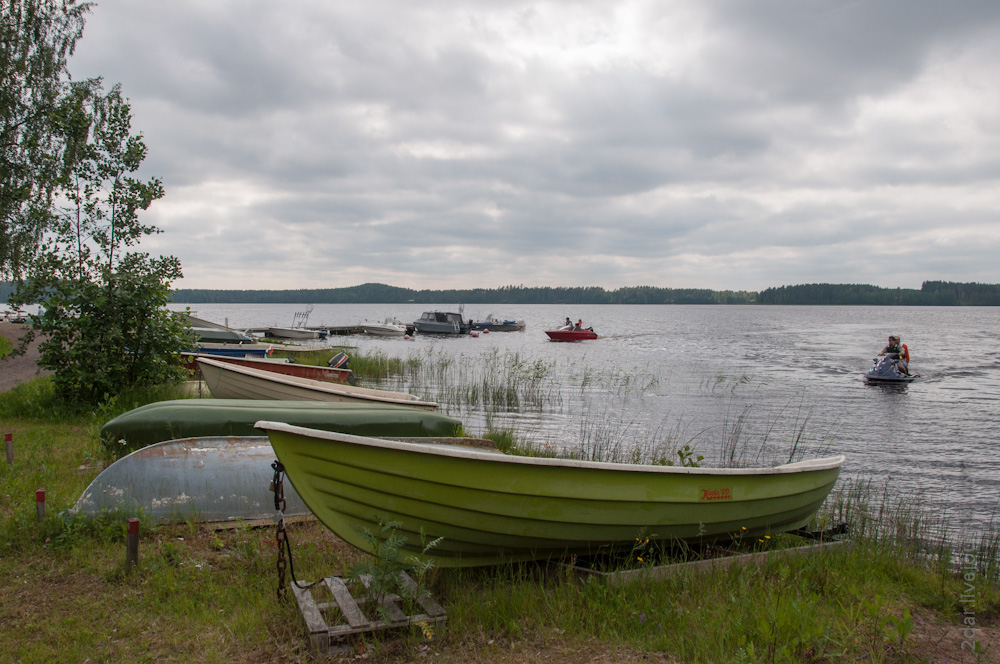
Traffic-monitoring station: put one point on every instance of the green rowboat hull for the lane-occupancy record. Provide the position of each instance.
(491, 508)
(188, 418)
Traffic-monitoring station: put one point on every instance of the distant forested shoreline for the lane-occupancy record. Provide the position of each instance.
(931, 293)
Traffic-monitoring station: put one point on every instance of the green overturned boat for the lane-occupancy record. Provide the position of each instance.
(187, 418)
(492, 508)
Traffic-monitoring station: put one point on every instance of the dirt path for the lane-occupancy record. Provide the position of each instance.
(17, 370)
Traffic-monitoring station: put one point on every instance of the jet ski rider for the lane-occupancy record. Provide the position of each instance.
(898, 352)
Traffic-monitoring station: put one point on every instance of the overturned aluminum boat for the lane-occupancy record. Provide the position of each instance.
(211, 479)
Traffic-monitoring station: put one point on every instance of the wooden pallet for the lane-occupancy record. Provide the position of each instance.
(349, 616)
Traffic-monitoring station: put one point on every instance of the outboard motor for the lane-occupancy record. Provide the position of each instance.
(339, 361)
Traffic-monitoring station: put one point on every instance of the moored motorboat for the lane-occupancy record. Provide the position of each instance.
(441, 322)
(570, 335)
(294, 333)
(231, 381)
(298, 331)
(491, 508)
(491, 324)
(390, 327)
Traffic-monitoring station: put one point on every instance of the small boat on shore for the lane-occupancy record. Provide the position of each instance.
(209, 479)
(209, 332)
(277, 365)
(492, 508)
(570, 335)
(188, 418)
(248, 351)
(231, 381)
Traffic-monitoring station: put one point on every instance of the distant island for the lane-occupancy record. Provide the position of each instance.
(931, 293)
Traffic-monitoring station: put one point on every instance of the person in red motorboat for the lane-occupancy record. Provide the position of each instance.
(899, 352)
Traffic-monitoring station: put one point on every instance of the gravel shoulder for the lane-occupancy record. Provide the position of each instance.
(20, 369)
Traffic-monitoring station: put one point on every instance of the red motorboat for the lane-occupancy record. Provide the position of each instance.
(571, 335)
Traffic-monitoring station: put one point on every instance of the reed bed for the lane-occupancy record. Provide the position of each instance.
(903, 526)
(583, 412)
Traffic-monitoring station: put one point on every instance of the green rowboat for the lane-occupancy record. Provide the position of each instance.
(186, 418)
(492, 508)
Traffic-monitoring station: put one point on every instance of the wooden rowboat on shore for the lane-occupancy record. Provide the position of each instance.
(230, 381)
(490, 508)
(281, 366)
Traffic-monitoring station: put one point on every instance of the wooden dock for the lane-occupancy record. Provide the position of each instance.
(331, 330)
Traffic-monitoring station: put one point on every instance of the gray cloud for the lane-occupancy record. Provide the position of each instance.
(722, 144)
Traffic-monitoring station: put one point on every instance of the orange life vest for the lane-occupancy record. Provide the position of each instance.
(906, 353)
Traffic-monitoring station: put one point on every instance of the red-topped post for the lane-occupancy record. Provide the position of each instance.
(40, 504)
(8, 439)
(132, 556)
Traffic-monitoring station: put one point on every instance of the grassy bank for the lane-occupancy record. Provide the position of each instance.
(899, 593)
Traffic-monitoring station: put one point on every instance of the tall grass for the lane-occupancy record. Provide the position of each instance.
(37, 399)
(858, 603)
(902, 526)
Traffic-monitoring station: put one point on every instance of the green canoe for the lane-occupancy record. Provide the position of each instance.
(187, 418)
(491, 508)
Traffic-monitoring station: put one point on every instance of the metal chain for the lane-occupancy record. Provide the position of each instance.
(282, 540)
(280, 536)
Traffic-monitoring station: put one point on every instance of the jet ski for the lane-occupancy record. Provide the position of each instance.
(886, 371)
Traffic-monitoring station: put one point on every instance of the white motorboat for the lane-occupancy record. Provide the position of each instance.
(390, 327)
(299, 333)
(298, 330)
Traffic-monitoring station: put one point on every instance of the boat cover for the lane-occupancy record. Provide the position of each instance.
(185, 418)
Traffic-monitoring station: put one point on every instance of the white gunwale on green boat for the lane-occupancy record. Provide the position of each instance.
(492, 508)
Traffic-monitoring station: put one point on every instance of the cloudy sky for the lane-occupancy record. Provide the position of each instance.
(725, 144)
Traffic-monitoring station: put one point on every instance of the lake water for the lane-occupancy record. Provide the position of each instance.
(759, 376)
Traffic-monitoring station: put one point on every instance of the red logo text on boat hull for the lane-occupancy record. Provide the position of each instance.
(716, 494)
